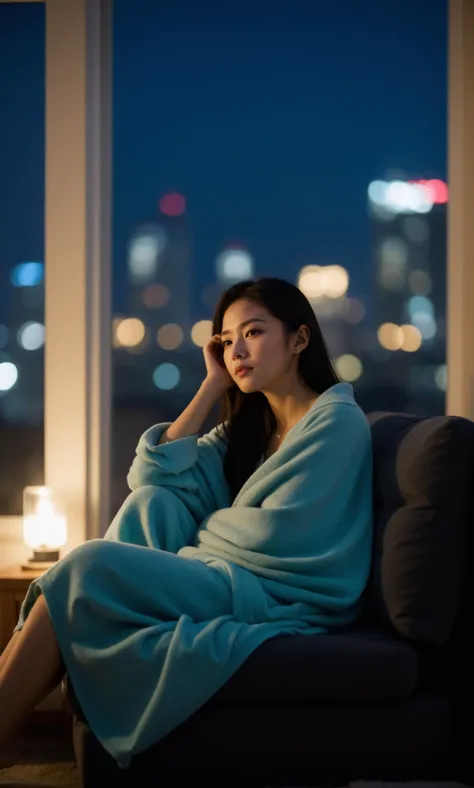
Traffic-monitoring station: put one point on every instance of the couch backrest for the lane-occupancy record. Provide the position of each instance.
(423, 513)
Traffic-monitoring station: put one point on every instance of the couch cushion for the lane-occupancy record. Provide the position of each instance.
(366, 666)
(357, 664)
(337, 668)
(423, 504)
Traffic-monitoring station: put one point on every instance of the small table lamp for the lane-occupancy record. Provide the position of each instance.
(44, 527)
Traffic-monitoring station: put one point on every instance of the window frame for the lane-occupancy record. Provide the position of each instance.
(78, 391)
(77, 374)
(460, 262)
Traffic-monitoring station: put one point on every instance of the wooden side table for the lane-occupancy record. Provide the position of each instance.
(14, 582)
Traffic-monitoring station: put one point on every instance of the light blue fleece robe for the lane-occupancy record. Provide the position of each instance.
(153, 619)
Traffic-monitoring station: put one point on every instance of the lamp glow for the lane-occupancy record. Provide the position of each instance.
(44, 527)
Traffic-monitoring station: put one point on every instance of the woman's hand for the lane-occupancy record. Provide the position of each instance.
(216, 368)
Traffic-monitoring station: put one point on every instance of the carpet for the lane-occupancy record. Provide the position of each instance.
(43, 775)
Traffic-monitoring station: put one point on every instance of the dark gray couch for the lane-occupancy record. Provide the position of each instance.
(390, 697)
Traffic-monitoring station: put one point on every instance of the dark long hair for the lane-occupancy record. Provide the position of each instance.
(246, 421)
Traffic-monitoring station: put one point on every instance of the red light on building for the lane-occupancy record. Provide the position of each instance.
(172, 204)
(437, 190)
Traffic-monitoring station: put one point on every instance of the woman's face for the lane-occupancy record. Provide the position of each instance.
(260, 344)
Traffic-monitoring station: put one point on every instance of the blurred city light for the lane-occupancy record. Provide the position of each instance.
(310, 281)
(390, 336)
(201, 332)
(156, 295)
(234, 264)
(31, 336)
(393, 263)
(426, 324)
(421, 311)
(407, 196)
(349, 367)
(166, 376)
(441, 377)
(8, 375)
(420, 304)
(336, 281)
(405, 337)
(27, 274)
(437, 189)
(129, 332)
(170, 336)
(144, 252)
(394, 251)
(420, 282)
(172, 204)
(316, 281)
(412, 338)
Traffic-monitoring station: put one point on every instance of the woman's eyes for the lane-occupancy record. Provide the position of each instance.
(257, 330)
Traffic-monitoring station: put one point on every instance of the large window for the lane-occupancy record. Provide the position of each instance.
(22, 137)
(302, 140)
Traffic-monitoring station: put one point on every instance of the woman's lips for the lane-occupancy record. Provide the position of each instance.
(244, 371)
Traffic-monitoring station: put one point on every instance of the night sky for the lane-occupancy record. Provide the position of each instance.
(270, 117)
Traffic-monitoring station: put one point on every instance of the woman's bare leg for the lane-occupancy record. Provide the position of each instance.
(30, 671)
(4, 656)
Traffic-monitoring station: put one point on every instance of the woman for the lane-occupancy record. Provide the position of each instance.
(262, 527)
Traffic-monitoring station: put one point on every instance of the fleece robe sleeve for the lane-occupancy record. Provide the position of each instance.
(191, 467)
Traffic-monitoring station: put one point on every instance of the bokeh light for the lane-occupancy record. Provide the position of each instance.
(316, 281)
(8, 375)
(170, 336)
(129, 332)
(406, 337)
(349, 367)
(166, 376)
(144, 252)
(31, 336)
(420, 282)
(416, 196)
(310, 281)
(390, 336)
(172, 204)
(437, 190)
(426, 324)
(27, 274)
(201, 332)
(441, 377)
(412, 338)
(420, 305)
(234, 264)
(156, 295)
(336, 281)
(393, 263)
(421, 311)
